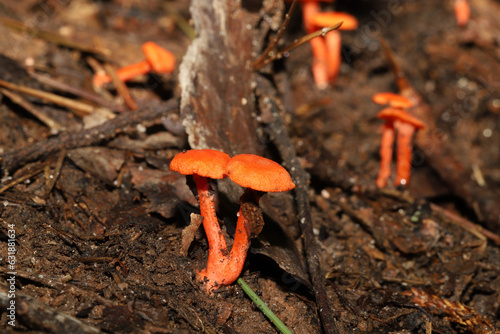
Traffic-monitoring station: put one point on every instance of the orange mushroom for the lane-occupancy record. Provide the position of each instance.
(333, 39)
(405, 124)
(202, 165)
(157, 60)
(256, 174)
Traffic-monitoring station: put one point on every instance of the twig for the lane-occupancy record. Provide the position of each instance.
(76, 91)
(50, 180)
(21, 179)
(466, 224)
(121, 87)
(18, 157)
(454, 218)
(54, 127)
(180, 21)
(79, 108)
(274, 41)
(295, 44)
(263, 307)
(283, 143)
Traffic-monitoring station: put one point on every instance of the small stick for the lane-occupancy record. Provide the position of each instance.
(45, 119)
(79, 108)
(467, 225)
(454, 218)
(76, 91)
(121, 87)
(297, 43)
(21, 179)
(180, 21)
(51, 181)
(279, 136)
(274, 41)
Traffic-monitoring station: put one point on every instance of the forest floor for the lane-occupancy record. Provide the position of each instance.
(93, 217)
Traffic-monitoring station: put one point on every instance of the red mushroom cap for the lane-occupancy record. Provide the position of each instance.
(204, 162)
(160, 60)
(327, 19)
(392, 114)
(392, 99)
(258, 173)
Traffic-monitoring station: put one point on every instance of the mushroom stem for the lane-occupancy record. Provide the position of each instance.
(334, 49)
(216, 242)
(320, 62)
(318, 46)
(125, 73)
(227, 270)
(241, 243)
(404, 152)
(462, 12)
(309, 10)
(249, 219)
(231, 268)
(386, 147)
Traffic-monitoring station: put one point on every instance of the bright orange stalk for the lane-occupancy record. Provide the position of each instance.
(320, 62)
(332, 40)
(462, 12)
(217, 248)
(125, 73)
(226, 269)
(386, 147)
(404, 152)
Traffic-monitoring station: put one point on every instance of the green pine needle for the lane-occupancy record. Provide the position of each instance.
(263, 307)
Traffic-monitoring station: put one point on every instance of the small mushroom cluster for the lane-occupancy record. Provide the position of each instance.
(258, 175)
(396, 119)
(326, 49)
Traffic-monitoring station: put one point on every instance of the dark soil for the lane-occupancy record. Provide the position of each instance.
(94, 218)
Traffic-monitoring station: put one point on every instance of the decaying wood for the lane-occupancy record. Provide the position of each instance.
(217, 101)
(301, 179)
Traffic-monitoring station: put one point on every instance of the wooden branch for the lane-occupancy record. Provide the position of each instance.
(287, 151)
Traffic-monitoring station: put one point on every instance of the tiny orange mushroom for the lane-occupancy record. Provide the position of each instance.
(333, 39)
(157, 60)
(203, 165)
(405, 124)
